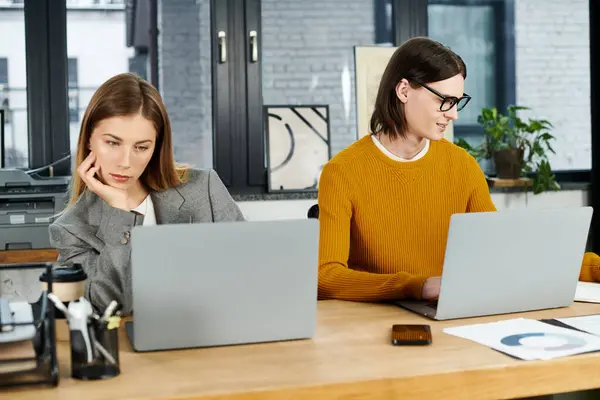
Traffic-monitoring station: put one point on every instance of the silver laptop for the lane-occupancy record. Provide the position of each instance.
(215, 284)
(509, 261)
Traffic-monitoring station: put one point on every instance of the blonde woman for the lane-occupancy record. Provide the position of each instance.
(125, 176)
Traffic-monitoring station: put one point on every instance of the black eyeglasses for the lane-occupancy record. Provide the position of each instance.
(449, 101)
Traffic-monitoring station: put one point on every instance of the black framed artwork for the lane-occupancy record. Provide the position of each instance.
(297, 146)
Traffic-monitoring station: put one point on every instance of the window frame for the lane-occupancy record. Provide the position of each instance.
(239, 139)
(47, 84)
(73, 83)
(409, 19)
(235, 121)
(4, 74)
(506, 83)
(594, 179)
(504, 38)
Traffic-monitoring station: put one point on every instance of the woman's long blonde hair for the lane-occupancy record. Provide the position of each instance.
(123, 95)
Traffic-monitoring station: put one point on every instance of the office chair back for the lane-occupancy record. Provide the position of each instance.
(313, 211)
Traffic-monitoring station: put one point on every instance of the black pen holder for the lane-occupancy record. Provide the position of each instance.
(104, 342)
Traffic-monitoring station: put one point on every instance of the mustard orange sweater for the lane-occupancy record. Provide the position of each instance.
(384, 223)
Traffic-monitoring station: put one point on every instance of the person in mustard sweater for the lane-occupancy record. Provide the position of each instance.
(385, 201)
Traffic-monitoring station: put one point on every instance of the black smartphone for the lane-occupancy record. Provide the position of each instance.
(411, 335)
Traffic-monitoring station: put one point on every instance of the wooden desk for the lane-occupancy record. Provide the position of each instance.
(350, 357)
(25, 256)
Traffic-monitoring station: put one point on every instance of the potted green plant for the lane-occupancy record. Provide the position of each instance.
(516, 148)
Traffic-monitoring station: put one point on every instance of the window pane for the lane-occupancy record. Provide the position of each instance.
(469, 31)
(308, 59)
(97, 50)
(13, 85)
(551, 58)
(553, 74)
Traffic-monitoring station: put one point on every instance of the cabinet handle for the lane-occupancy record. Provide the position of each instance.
(222, 46)
(253, 46)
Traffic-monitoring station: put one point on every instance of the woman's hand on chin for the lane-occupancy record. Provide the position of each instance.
(115, 197)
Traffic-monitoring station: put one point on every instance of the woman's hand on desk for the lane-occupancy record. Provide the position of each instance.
(115, 197)
(431, 288)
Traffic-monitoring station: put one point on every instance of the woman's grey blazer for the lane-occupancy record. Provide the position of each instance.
(93, 233)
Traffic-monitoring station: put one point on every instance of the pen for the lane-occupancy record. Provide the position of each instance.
(110, 310)
(105, 353)
(59, 304)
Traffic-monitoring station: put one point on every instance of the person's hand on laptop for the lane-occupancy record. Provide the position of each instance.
(431, 288)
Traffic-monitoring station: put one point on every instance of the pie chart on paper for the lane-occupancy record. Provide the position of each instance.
(546, 341)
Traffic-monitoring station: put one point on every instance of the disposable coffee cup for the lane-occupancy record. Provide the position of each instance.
(68, 284)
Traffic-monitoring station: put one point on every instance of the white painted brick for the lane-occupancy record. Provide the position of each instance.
(301, 45)
(552, 73)
(321, 36)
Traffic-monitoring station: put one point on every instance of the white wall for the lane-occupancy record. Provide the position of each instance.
(275, 209)
(297, 209)
(560, 199)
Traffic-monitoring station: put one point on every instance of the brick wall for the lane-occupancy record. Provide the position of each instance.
(304, 58)
(552, 72)
(185, 77)
(308, 57)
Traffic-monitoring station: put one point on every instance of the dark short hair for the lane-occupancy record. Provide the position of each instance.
(419, 60)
